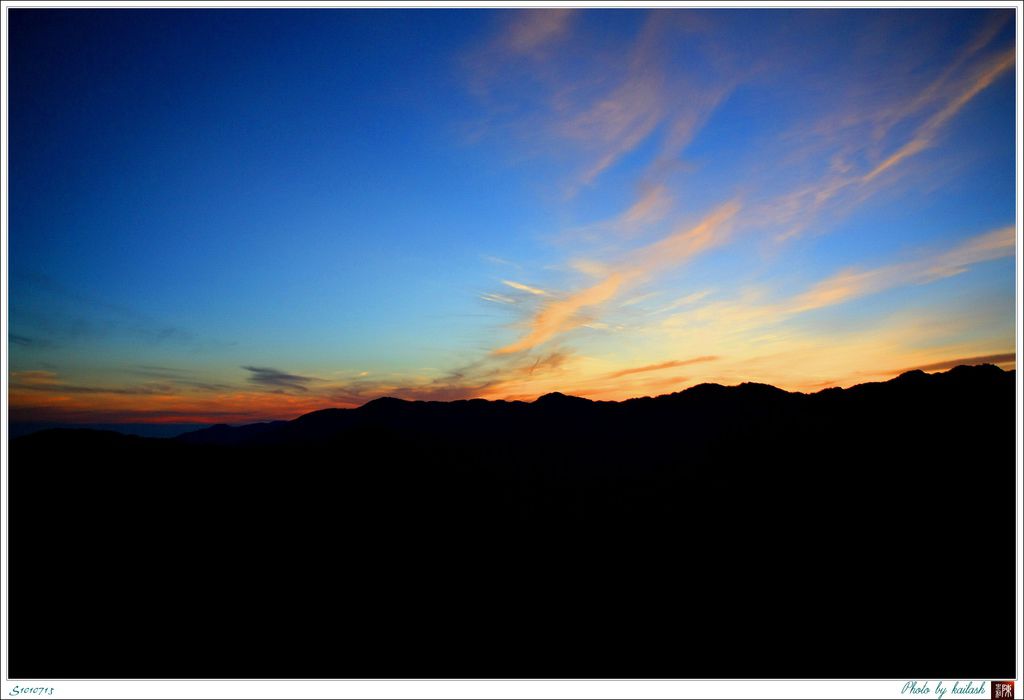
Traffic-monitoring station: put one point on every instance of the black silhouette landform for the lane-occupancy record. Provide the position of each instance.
(718, 532)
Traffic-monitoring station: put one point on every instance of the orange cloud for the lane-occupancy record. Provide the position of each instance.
(660, 366)
(855, 134)
(850, 284)
(686, 243)
(939, 88)
(561, 315)
(926, 134)
(609, 113)
(122, 406)
(33, 378)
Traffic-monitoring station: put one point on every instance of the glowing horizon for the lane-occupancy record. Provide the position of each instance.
(224, 216)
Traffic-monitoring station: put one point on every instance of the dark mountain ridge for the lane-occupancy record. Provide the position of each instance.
(471, 414)
(717, 532)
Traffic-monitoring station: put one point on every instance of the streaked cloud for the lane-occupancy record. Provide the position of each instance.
(524, 288)
(33, 378)
(660, 366)
(925, 135)
(858, 144)
(1003, 358)
(687, 242)
(740, 316)
(498, 298)
(617, 123)
(605, 112)
(853, 283)
(531, 30)
(159, 383)
(500, 261)
(561, 315)
(274, 378)
(22, 339)
(653, 204)
(939, 89)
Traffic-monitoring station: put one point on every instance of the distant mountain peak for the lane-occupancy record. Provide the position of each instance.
(959, 372)
(977, 370)
(383, 402)
(911, 375)
(762, 388)
(557, 397)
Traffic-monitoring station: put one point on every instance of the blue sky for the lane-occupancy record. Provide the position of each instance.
(245, 214)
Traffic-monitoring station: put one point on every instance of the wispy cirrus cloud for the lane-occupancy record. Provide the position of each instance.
(563, 314)
(625, 111)
(531, 30)
(560, 315)
(861, 139)
(654, 203)
(925, 135)
(942, 86)
(854, 283)
(616, 124)
(660, 366)
(604, 112)
(498, 298)
(856, 144)
(524, 288)
(757, 320)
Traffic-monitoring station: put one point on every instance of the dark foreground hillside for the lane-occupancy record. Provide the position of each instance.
(733, 532)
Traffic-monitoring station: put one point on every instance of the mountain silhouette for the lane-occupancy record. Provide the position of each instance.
(718, 532)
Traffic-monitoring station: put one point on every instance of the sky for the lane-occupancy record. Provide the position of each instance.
(225, 216)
